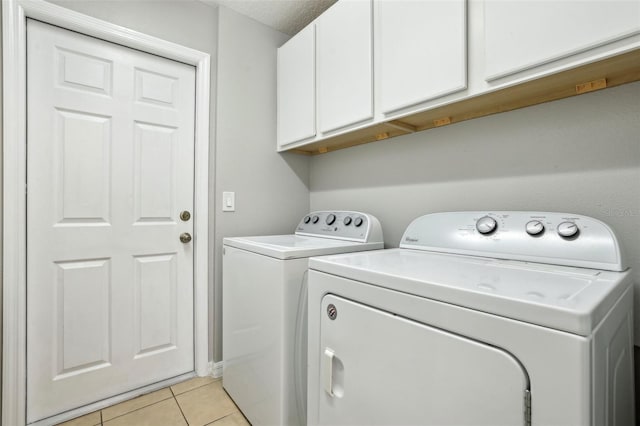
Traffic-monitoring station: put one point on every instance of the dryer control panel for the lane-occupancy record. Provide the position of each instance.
(543, 237)
(342, 225)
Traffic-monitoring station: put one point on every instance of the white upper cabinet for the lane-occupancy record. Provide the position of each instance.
(524, 34)
(421, 48)
(345, 65)
(296, 89)
(368, 70)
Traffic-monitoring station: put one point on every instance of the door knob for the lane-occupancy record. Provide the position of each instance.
(185, 215)
(185, 237)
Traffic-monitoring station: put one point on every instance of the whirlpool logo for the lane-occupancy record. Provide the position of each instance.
(411, 240)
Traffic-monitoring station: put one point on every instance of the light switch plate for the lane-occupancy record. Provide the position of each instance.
(228, 201)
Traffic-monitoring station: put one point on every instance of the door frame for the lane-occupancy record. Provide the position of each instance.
(14, 164)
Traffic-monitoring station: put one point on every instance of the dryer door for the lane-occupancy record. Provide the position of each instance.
(382, 369)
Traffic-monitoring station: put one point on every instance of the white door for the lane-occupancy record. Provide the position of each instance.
(110, 162)
(381, 369)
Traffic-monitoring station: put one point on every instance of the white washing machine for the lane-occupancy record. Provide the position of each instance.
(264, 311)
(503, 318)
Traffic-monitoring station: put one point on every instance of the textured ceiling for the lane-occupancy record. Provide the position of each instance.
(287, 16)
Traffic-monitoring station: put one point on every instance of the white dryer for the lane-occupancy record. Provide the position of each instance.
(264, 311)
(503, 318)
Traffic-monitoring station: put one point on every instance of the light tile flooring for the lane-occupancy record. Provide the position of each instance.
(196, 402)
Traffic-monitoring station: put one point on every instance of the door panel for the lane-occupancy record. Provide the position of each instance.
(84, 72)
(83, 186)
(154, 172)
(110, 165)
(82, 329)
(402, 372)
(155, 88)
(155, 309)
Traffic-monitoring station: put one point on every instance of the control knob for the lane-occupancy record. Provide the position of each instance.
(534, 227)
(330, 219)
(347, 221)
(568, 230)
(307, 219)
(358, 222)
(315, 219)
(486, 225)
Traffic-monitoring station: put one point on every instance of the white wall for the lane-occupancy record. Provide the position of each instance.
(187, 22)
(578, 155)
(271, 189)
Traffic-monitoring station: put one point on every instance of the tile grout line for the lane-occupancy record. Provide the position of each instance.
(224, 417)
(173, 395)
(137, 409)
(237, 410)
(179, 407)
(194, 388)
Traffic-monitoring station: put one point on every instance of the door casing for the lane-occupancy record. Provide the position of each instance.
(14, 208)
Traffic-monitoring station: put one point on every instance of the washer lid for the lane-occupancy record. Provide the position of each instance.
(564, 298)
(297, 246)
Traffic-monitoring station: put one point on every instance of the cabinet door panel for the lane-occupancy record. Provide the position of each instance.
(296, 88)
(522, 34)
(422, 50)
(345, 71)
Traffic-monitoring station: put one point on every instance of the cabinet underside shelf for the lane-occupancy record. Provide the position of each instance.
(606, 73)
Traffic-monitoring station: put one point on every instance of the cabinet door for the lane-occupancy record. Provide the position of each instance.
(296, 88)
(522, 34)
(345, 69)
(422, 50)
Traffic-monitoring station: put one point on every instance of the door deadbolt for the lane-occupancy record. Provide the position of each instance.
(185, 237)
(185, 215)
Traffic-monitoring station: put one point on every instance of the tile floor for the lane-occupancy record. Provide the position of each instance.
(196, 402)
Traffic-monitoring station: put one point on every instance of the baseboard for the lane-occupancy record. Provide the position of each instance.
(215, 369)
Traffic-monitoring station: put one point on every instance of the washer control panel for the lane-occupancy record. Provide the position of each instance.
(344, 225)
(545, 237)
(569, 229)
